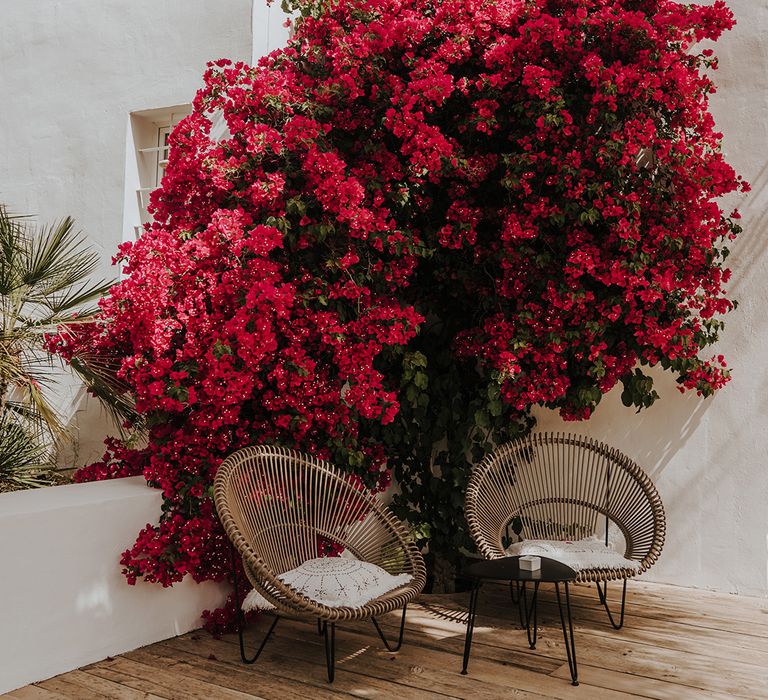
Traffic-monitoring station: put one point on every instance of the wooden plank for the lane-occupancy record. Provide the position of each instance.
(85, 685)
(692, 670)
(441, 635)
(647, 687)
(646, 592)
(128, 681)
(650, 599)
(178, 685)
(63, 686)
(722, 643)
(688, 606)
(360, 658)
(718, 645)
(230, 672)
(34, 692)
(585, 598)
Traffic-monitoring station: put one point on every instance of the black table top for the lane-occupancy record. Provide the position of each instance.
(507, 569)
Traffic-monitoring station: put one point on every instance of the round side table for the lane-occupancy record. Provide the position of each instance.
(508, 569)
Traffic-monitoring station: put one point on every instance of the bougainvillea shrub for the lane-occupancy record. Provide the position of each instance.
(423, 218)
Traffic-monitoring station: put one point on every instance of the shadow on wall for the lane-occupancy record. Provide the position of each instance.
(652, 437)
(750, 246)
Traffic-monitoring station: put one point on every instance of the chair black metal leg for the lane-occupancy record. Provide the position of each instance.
(330, 650)
(603, 594)
(570, 647)
(245, 659)
(470, 624)
(531, 612)
(241, 618)
(384, 639)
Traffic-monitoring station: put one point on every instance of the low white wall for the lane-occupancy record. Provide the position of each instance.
(63, 600)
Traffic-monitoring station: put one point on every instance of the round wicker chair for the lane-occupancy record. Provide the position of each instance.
(566, 487)
(277, 507)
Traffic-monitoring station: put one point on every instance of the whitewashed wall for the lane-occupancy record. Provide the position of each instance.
(710, 457)
(63, 601)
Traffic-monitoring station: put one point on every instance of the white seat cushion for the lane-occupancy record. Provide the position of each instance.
(589, 553)
(338, 582)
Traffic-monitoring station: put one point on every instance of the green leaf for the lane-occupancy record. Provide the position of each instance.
(482, 419)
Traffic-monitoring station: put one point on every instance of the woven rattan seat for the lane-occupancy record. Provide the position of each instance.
(279, 506)
(566, 487)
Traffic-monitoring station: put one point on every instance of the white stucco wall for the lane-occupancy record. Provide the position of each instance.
(63, 600)
(709, 458)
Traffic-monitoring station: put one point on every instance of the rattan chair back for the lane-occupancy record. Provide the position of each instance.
(564, 487)
(279, 507)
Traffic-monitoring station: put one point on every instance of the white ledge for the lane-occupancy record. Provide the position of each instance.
(76, 495)
(64, 601)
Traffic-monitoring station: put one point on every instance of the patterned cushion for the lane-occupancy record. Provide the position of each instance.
(338, 582)
(589, 553)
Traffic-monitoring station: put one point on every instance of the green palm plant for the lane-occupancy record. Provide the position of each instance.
(24, 460)
(46, 287)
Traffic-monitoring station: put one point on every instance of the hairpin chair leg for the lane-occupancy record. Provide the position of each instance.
(399, 639)
(330, 649)
(241, 618)
(602, 592)
(470, 624)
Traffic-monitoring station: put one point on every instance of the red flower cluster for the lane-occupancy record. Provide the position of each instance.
(118, 461)
(536, 178)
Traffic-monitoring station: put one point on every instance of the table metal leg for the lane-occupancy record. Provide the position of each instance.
(570, 648)
(514, 592)
(521, 606)
(470, 624)
(530, 614)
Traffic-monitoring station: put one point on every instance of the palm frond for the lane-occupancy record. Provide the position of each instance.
(58, 267)
(10, 365)
(52, 251)
(100, 377)
(12, 245)
(20, 411)
(71, 300)
(24, 461)
(69, 273)
(28, 363)
(47, 417)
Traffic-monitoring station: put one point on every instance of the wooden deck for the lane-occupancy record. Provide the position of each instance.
(676, 643)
